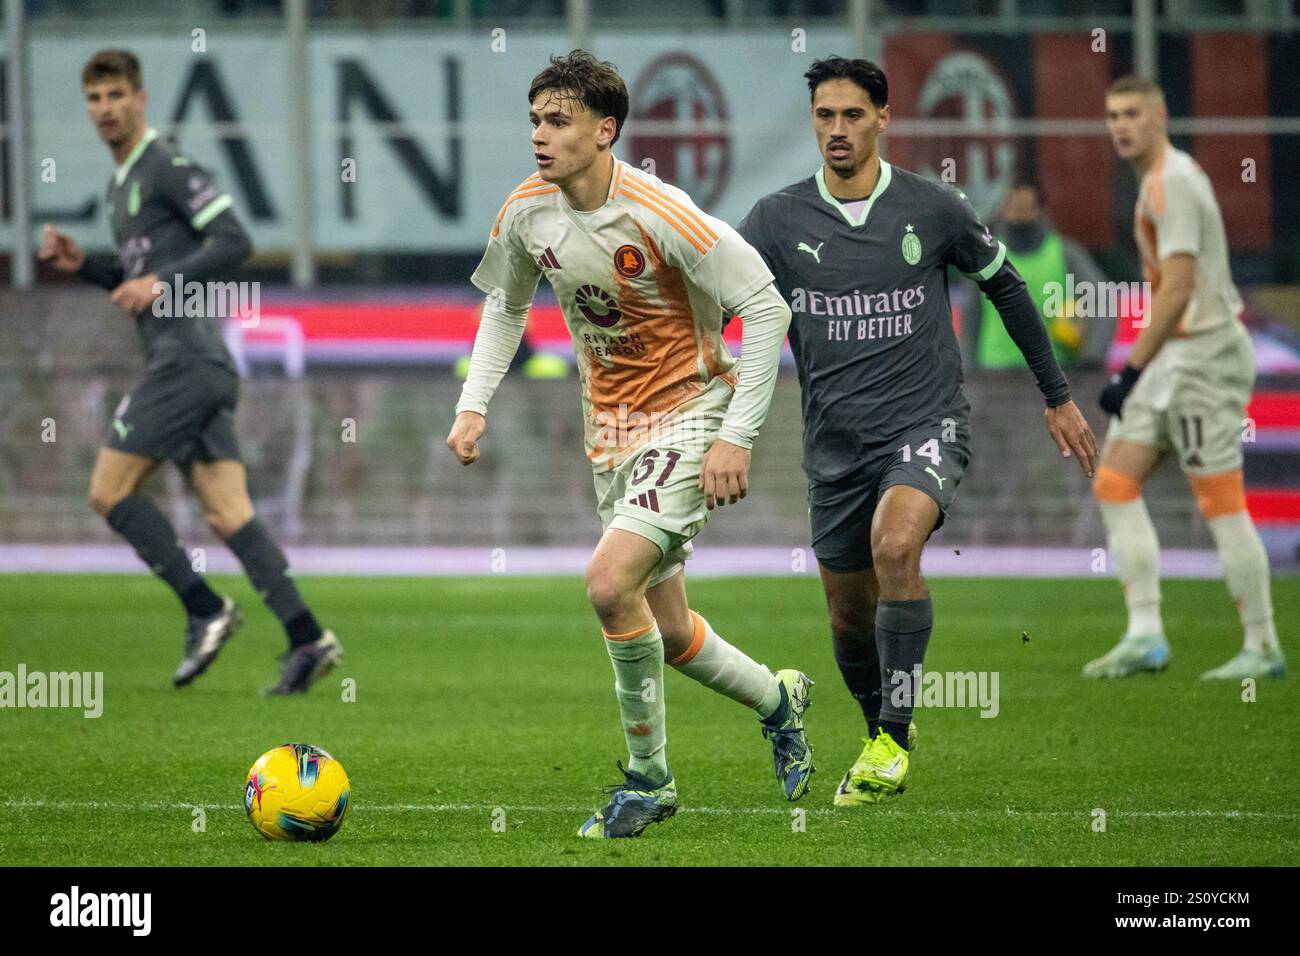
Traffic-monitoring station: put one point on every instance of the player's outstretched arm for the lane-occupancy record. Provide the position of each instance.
(1023, 322)
(724, 476)
(500, 331)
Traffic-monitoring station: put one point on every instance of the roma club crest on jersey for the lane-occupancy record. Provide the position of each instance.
(629, 261)
(911, 246)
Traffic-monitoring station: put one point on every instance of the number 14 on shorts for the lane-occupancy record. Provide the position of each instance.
(929, 449)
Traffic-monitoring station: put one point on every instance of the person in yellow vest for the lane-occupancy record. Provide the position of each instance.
(529, 361)
(1042, 256)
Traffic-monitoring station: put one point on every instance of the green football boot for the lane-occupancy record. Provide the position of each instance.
(1250, 664)
(1132, 655)
(881, 771)
(791, 753)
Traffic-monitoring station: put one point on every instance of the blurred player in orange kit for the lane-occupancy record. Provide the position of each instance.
(1184, 390)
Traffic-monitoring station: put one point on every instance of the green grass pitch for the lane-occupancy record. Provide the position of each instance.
(475, 694)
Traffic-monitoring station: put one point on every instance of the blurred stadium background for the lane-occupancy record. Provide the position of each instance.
(366, 305)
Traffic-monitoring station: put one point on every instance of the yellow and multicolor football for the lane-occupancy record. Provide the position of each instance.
(297, 792)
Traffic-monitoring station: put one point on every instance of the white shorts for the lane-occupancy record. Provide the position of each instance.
(1191, 400)
(655, 493)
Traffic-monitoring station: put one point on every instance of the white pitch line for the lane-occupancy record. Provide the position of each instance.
(721, 811)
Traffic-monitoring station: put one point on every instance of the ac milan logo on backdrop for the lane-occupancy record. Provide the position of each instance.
(965, 86)
(695, 156)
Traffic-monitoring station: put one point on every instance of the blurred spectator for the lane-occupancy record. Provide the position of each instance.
(530, 362)
(1043, 257)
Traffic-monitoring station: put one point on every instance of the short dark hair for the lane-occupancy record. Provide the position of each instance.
(862, 72)
(594, 83)
(111, 64)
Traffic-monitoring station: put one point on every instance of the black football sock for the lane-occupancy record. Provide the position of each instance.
(303, 629)
(201, 601)
(268, 569)
(902, 633)
(148, 531)
(859, 663)
(897, 731)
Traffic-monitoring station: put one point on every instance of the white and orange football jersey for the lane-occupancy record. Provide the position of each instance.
(1177, 212)
(644, 282)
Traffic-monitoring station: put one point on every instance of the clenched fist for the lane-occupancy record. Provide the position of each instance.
(465, 433)
(60, 250)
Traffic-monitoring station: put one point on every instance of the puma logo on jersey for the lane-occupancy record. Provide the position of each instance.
(815, 253)
(931, 471)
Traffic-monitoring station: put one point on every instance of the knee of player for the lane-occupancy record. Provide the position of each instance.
(1112, 486)
(895, 552)
(224, 522)
(103, 500)
(851, 626)
(605, 591)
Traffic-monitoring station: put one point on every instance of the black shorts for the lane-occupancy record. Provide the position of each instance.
(841, 511)
(182, 414)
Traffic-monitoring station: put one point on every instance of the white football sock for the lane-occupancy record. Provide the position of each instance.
(639, 684)
(1132, 540)
(1245, 568)
(721, 667)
